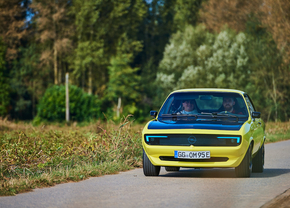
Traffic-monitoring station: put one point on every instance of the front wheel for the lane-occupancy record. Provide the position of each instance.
(245, 168)
(258, 160)
(148, 168)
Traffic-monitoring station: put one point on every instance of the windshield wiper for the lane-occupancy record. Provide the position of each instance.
(184, 115)
(215, 115)
(174, 116)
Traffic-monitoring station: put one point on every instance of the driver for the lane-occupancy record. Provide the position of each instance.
(188, 107)
(228, 104)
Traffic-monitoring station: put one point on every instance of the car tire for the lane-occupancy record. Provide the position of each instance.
(258, 160)
(245, 168)
(148, 168)
(169, 169)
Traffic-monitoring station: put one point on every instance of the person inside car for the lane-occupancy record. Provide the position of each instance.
(229, 106)
(188, 107)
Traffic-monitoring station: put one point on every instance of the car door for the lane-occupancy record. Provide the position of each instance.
(256, 125)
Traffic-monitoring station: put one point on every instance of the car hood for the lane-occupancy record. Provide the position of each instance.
(235, 126)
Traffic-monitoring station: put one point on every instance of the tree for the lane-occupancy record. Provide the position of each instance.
(99, 26)
(4, 85)
(54, 30)
(154, 32)
(28, 82)
(270, 82)
(163, 19)
(257, 18)
(235, 14)
(196, 58)
(272, 15)
(123, 79)
(186, 12)
(275, 16)
(13, 25)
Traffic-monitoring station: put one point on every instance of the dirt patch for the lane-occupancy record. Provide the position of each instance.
(281, 201)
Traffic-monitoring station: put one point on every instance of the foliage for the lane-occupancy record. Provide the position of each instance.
(272, 15)
(216, 14)
(277, 131)
(267, 21)
(83, 107)
(53, 29)
(278, 24)
(4, 85)
(96, 40)
(100, 26)
(123, 83)
(197, 58)
(13, 31)
(28, 83)
(47, 155)
(246, 61)
(163, 18)
(186, 12)
(269, 84)
(123, 79)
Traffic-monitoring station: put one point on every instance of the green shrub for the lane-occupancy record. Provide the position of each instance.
(82, 106)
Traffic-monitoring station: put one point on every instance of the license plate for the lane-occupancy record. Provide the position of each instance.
(192, 154)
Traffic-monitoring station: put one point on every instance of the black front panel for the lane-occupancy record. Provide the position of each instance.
(193, 139)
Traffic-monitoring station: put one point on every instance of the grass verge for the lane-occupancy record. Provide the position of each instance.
(61, 175)
(277, 131)
(32, 157)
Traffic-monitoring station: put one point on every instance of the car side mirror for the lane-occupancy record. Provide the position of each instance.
(153, 113)
(256, 114)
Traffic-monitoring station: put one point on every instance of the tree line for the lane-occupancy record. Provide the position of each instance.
(139, 51)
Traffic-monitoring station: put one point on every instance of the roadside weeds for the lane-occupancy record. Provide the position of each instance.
(34, 157)
(61, 175)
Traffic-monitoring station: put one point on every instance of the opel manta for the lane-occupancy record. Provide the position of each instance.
(205, 128)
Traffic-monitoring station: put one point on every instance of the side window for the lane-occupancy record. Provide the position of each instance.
(251, 106)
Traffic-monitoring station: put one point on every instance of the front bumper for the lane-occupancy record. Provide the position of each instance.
(221, 157)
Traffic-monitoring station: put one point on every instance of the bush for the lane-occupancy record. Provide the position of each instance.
(82, 106)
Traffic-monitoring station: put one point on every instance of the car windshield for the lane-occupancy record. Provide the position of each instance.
(204, 105)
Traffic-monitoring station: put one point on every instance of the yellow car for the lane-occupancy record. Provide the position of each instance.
(202, 128)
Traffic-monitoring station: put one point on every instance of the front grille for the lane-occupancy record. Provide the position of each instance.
(193, 139)
(213, 159)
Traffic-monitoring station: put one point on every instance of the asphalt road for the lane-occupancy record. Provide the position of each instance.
(187, 188)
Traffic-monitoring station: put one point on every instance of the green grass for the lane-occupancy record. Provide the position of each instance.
(25, 183)
(277, 137)
(43, 156)
(278, 131)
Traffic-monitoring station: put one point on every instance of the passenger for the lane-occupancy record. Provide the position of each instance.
(188, 107)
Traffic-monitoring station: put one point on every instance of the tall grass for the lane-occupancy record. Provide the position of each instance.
(41, 156)
(277, 131)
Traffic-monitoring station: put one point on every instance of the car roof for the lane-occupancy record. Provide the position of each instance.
(208, 90)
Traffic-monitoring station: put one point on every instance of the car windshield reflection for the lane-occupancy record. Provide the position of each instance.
(204, 107)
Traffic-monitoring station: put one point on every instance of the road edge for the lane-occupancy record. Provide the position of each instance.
(281, 201)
